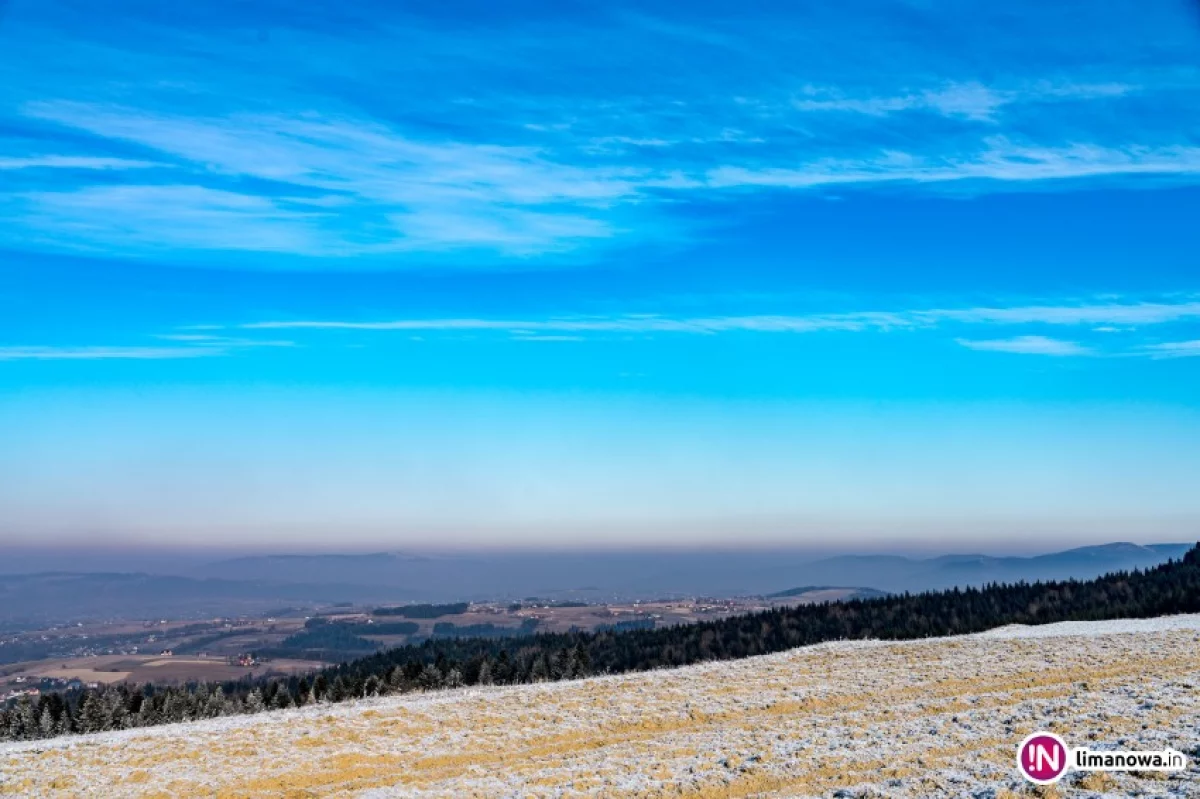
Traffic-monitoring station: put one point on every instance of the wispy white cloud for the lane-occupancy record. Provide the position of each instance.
(618, 324)
(357, 186)
(1104, 313)
(1126, 314)
(969, 100)
(516, 231)
(223, 341)
(105, 353)
(165, 216)
(368, 161)
(490, 150)
(1000, 160)
(73, 162)
(190, 345)
(1027, 345)
(1175, 349)
(430, 195)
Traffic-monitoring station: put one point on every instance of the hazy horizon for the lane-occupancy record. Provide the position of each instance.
(185, 561)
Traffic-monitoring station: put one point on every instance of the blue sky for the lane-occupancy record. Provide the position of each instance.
(891, 273)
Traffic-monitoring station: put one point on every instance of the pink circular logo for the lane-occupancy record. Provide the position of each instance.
(1042, 758)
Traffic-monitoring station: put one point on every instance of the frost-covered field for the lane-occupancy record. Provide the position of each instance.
(926, 718)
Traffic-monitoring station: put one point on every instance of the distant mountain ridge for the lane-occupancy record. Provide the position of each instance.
(343, 556)
(558, 575)
(257, 582)
(898, 573)
(852, 592)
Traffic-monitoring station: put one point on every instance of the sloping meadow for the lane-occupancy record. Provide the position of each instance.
(920, 718)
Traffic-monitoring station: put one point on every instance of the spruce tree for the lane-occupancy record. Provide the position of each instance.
(147, 714)
(63, 725)
(200, 695)
(485, 673)
(561, 669)
(430, 678)
(115, 714)
(214, 705)
(254, 701)
(29, 719)
(173, 709)
(92, 717)
(16, 726)
(502, 672)
(582, 662)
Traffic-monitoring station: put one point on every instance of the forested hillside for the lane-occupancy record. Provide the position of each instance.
(1171, 588)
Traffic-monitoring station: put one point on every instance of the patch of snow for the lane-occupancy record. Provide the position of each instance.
(1110, 627)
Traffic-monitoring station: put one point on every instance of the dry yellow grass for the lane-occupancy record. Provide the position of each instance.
(935, 718)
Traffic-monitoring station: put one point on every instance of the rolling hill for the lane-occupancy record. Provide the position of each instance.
(929, 718)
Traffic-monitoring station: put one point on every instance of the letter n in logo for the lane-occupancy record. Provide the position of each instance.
(1042, 758)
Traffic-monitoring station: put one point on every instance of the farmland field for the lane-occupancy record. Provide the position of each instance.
(152, 668)
(866, 719)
